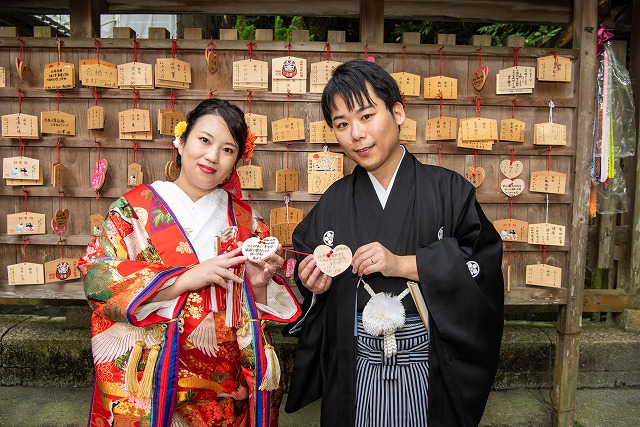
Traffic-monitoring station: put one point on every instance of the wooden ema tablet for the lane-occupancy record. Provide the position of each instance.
(515, 80)
(136, 75)
(479, 78)
(475, 176)
(332, 261)
(286, 130)
(212, 61)
(485, 145)
(3, 77)
(258, 125)
(24, 168)
(134, 120)
(286, 180)
(100, 167)
(546, 234)
(549, 134)
(134, 175)
(512, 187)
(544, 275)
(511, 169)
(250, 177)
(57, 174)
(60, 221)
(320, 75)
(168, 119)
(512, 130)
(16, 182)
(288, 75)
(408, 83)
(548, 182)
(441, 129)
(553, 69)
(171, 170)
(95, 222)
(173, 73)
(321, 133)
(26, 223)
(434, 86)
(58, 123)
(26, 273)
(284, 232)
(20, 125)
(93, 61)
(285, 214)
(95, 118)
(21, 69)
(103, 74)
(512, 230)
(250, 74)
(61, 269)
(59, 76)
(408, 131)
(323, 169)
(478, 129)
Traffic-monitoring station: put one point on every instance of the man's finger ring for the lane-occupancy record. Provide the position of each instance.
(371, 259)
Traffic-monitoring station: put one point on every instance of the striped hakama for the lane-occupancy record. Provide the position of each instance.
(392, 392)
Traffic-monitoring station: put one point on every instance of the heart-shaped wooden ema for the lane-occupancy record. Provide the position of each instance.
(332, 261)
(21, 69)
(212, 61)
(511, 169)
(475, 176)
(512, 187)
(100, 167)
(256, 249)
(480, 77)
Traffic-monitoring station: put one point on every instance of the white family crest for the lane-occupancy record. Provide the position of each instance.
(328, 238)
(441, 233)
(474, 268)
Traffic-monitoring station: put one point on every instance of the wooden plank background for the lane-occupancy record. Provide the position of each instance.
(80, 151)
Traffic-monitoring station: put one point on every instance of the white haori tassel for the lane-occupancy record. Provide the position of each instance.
(204, 337)
(383, 315)
(271, 378)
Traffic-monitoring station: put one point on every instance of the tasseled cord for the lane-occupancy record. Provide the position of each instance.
(146, 383)
(271, 379)
(131, 374)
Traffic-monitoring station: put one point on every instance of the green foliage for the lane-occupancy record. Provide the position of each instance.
(531, 33)
(246, 30)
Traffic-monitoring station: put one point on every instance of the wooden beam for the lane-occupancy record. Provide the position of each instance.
(565, 373)
(84, 17)
(371, 21)
(542, 11)
(609, 300)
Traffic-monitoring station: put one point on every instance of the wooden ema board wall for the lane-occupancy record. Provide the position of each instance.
(79, 152)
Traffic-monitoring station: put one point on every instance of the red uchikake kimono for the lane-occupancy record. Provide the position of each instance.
(149, 372)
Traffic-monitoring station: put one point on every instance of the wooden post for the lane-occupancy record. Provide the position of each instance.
(411, 38)
(265, 35)
(300, 36)
(8, 32)
(371, 21)
(565, 372)
(446, 39)
(42, 31)
(228, 34)
(336, 36)
(514, 41)
(84, 18)
(123, 33)
(480, 40)
(158, 33)
(634, 68)
(193, 34)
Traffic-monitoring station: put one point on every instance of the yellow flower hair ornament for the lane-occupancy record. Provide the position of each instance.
(178, 131)
(249, 145)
